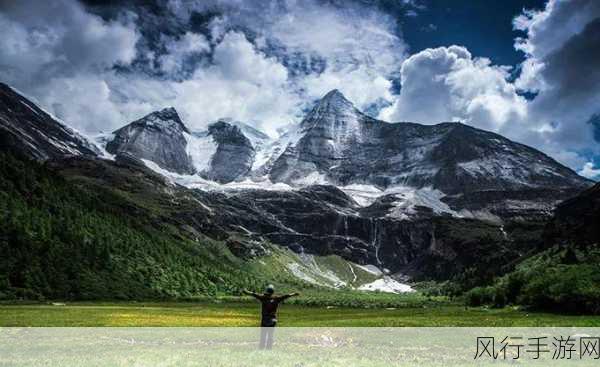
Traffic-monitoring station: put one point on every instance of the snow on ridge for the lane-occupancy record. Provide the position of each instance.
(272, 150)
(85, 139)
(314, 178)
(363, 194)
(29, 107)
(101, 140)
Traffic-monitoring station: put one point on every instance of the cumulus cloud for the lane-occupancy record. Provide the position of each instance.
(324, 46)
(242, 82)
(177, 52)
(562, 68)
(57, 52)
(448, 84)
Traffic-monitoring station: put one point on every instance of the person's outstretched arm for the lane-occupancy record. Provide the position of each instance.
(255, 295)
(286, 296)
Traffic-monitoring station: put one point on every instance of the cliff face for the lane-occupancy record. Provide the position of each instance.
(234, 155)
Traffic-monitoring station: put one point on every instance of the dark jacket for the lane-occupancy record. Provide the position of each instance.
(269, 303)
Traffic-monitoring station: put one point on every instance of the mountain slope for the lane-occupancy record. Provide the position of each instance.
(67, 239)
(576, 221)
(563, 275)
(408, 231)
(27, 129)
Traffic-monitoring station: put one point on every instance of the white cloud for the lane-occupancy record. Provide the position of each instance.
(262, 63)
(562, 66)
(358, 84)
(448, 84)
(589, 171)
(58, 53)
(325, 46)
(173, 61)
(242, 83)
(265, 63)
(44, 39)
(549, 29)
(237, 59)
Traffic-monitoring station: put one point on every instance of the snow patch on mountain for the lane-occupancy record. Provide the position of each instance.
(408, 198)
(313, 178)
(198, 182)
(270, 150)
(386, 284)
(371, 269)
(200, 147)
(309, 271)
(101, 140)
(364, 195)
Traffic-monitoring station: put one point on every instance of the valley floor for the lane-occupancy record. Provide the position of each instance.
(211, 313)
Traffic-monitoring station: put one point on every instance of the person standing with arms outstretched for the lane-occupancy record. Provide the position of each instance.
(270, 302)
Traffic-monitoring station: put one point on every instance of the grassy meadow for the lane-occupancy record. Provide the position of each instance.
(246, 313)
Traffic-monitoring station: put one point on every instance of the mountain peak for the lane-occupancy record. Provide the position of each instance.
(334, 93)
(165, 118)
(335, 98)
(333, 106)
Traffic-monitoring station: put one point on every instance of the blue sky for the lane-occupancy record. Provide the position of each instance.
(529, 70)
(483, 27)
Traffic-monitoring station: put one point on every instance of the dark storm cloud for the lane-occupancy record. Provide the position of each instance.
(563, 67)
(575, 68)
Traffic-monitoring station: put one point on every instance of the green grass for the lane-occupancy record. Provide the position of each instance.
(245, 313)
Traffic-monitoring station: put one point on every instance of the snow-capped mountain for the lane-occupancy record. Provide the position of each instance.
(339, 145)
(331, 130)
(29, 130)
(222, 153)
(158, 137)
(449, 168)
(342, 146)
(396, 170)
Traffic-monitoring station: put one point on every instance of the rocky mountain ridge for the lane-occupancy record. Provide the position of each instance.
(405, 168)
(26, 128)
(451, 168)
